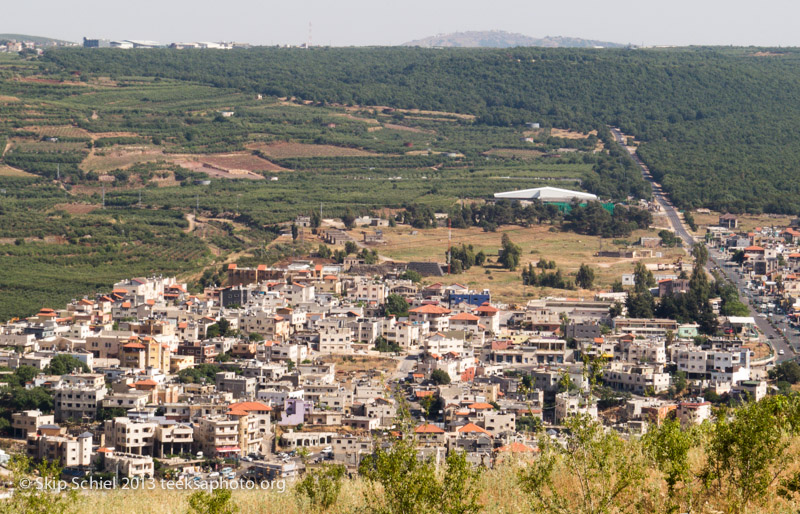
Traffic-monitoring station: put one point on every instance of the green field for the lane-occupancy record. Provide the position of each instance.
(145, 142)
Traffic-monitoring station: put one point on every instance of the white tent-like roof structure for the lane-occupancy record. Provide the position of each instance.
(547, 194)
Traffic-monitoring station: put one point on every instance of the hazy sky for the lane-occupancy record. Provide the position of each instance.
(381, 22)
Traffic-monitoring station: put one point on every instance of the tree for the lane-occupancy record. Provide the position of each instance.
(668, 445)
(32, 499)
(480, 258)
(585, 277)
(411, 275)
(668, 238)
(221, 328)
(643, 278)
(605, 473)
(34, 398)
(349, 220)
(350, 247)
(440, 377)
(399, 482)
(382, 345)
(322, 486)
(640, 305)
(396, 305)
(316, 219)
(509, 257)
(700, 254)
(689, 218)
(65, 364)
(295, 232)
(788, 371)
(747, 451)
(216, 502)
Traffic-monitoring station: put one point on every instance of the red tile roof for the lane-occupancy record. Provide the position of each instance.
(427, 428)
(248, 406)
(472, 428)
(480, 406)
(464, 316)
(430, 309)
(487, 309)
(516, 447)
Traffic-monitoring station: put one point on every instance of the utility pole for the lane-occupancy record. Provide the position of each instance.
(449, 244)
(58, 172)
(104, 195)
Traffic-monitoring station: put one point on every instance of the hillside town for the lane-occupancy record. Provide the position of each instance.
(289, 366)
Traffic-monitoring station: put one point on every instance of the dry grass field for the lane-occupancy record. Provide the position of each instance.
(499, 493)
(747, 222)
(568, 250)
(8, 171)
(117, 158)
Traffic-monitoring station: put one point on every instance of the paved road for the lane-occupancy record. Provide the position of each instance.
(775, 335)
(405, 366)
(715, 261)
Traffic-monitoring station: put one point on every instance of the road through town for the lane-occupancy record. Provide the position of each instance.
(781, 337)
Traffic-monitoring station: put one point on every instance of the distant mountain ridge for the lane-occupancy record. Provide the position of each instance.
(39, 40)
(503, 39)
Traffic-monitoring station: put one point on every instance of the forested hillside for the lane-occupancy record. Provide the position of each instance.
(718, 126)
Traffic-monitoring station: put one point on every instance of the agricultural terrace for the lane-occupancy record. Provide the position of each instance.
(130, 175)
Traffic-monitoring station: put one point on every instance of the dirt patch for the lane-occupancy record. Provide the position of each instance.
(106, 160)
(4, 98)
(570, 134)
(284, 150)
(229, 165)
(361, 364)
(240, 161)
(214, 171)
(760, 350)
(766, 54)
(76, 208)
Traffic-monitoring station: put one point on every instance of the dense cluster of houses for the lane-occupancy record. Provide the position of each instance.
(768, 258)
(269, 364)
